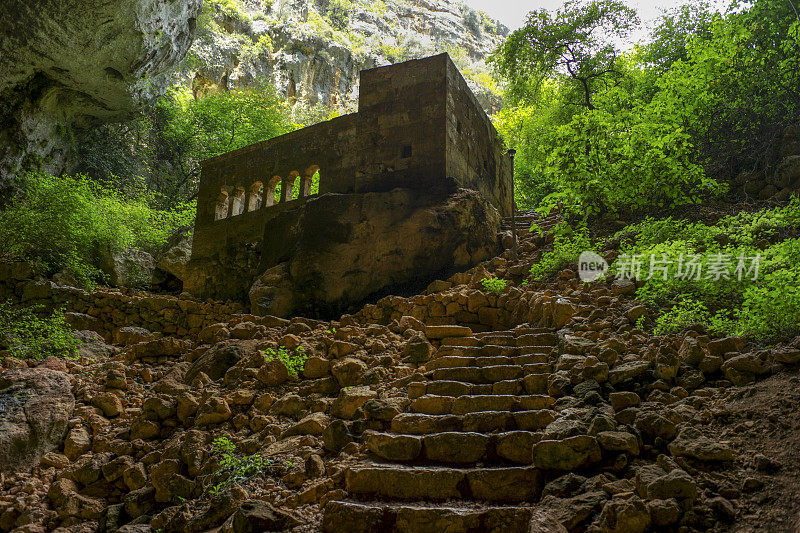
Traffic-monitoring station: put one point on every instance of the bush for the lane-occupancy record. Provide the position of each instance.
(683, 314)
(65, 223)
(567, 247)
(233, 467)
(494, 285)
(763, 308)
(30, 333)
(294, 360)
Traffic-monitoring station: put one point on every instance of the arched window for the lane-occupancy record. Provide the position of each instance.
(221, 207)
(272, 191)
(288, 188)
(237, 203)
(255, 199)
(310, 181)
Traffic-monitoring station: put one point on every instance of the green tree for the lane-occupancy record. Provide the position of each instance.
(576, 44)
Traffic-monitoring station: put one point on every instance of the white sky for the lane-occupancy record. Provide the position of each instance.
(513, 13)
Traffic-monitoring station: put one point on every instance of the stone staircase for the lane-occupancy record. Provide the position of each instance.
(525, 219)
(460, 458)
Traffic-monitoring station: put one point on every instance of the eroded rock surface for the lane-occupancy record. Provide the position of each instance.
(76, 63)
(371, 242)
(35, 405)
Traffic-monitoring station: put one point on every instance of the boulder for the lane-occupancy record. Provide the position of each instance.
(171, 262)
(127, 268)
(35, 406)
(217, 360)
(257, 515)
(350, 399)
(690, 442)
(628, 515)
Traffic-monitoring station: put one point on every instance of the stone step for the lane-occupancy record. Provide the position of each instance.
(519, 330)
(479, 422)
(500, 484)
(430, 404)
(423, 517)
(491, 350)
(454, 447)
(531, 384)
(453, 361)
(487, 374)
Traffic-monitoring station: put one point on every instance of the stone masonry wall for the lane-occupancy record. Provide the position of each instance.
(106, 311)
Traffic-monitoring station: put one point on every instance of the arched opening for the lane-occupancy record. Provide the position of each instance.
(310, 181)
(288, 189)
(256, 199)
(237, 202)
(273, 191)
(221, 207)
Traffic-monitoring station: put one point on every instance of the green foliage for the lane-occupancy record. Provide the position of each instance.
(683, 314)
(294, 360)
(762, 308)
(567, 247)
(705, 99)
(229, 8)
(472, 19)
(339, 13)
(575, 45)
(233, 467)
(66, 224)
(495, 285)
(31, 333)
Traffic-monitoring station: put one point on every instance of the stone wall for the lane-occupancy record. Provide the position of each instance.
(106, 311)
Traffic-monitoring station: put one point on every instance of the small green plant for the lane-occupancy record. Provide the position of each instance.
(567, 247)
(294, 360)
(30, 333)
(494, 285)
(233, 467)
(683, 314)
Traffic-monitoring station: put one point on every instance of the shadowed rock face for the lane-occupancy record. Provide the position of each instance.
(74, 63)
(35, 406)
(366, 243)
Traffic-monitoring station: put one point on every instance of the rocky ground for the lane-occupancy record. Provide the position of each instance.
(404, 418)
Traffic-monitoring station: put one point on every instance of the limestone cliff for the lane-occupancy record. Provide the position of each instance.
(313, 50)
(73, 63)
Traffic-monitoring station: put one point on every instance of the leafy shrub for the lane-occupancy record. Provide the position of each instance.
(294, 360)
(762, 308)
(494, 285)
(472, 19)
(65, 223)
(685, 313)
(233, 467)
(567, 247)
(30, 333)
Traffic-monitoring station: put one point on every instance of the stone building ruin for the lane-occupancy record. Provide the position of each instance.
(419, 155)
